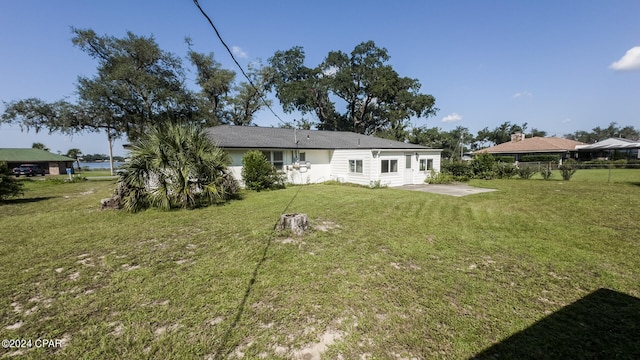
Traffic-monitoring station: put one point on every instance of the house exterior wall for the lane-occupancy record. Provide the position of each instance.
(314, 169)
(372, 166)
(339, 168)
(50, 167)
(324, 165)
(59, 167)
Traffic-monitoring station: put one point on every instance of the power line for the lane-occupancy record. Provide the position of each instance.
(264, 101)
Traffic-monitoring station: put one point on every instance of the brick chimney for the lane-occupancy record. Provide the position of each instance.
(517, 137)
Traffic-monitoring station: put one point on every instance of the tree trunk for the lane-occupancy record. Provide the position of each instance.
(110, 152)
(297, 223)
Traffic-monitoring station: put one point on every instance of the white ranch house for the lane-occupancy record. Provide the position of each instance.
(313, 156)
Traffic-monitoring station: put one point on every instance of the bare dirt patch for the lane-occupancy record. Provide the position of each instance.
(215, 321)
(127, 267)
(75, 276)
(326, 226)
(164, 329)
(15, 326)
(314, 351)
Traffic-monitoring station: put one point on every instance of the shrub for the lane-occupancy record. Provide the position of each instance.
(526, 172)
(505, 159)
(376, 184)
(546, 172)
(567, 169)
(505, 171)
(439, 178)
(633, 164)
(620, 163)
(258, 173)
(9, 186)
(457, 168)
(539, 158)
(484, 166)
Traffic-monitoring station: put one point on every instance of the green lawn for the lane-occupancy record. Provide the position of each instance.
(386, 274)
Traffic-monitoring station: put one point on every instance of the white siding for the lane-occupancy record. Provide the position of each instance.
(339, 169)
(391, 178)
(420, 176)
(314, 169)
(323, 165)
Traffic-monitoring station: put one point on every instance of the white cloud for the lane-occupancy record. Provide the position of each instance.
(522, 94)
(237, 51)
(630, 60)
(566, 120)
(453, 117)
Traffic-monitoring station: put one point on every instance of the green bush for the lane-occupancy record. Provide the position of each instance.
(457, 168)
(505, 159)
(258, 173)
(376, 184)
(484, 166)
(546, 172)
(620, 163)
(595, 164)
(440, 178)
(568, 169)
(526, 172)
(9, 186)
(633, 164)
(539, 158)
(505, 170)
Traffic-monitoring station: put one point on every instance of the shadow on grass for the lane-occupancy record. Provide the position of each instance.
(602, 325)
(27, 200)
(636, 183)
(224, 348)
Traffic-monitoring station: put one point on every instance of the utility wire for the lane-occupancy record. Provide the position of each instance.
(264, 101)
(250, 82)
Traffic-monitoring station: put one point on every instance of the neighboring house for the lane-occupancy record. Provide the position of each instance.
(53, 164)
(520, 146)
(312, 156)
(610, 148)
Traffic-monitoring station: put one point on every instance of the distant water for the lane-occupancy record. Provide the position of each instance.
(99, 165)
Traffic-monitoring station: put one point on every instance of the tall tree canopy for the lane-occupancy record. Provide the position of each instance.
(452, 143)
(598, 134)
(138, 86)
(39, 146)
(220, 100)
(371, 96)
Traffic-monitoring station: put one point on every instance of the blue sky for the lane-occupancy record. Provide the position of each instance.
(547, 63)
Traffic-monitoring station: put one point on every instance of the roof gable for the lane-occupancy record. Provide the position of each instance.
(534, 144)
(254, 137)
(30, 155)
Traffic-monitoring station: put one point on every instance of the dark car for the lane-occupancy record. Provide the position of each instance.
(28, 170)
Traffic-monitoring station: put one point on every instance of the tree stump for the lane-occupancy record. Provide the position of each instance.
(115, 202)
(297, 223)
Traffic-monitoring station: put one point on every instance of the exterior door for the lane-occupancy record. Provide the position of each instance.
(408, 169)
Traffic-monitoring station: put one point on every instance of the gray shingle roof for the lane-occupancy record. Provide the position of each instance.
(253, 137)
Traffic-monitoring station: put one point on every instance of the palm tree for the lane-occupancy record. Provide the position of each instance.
(176, 166)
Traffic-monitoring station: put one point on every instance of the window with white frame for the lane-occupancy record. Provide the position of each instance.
(426, 164)
(355, 166)
(407, 162)
(276, 158)
(388, 166)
